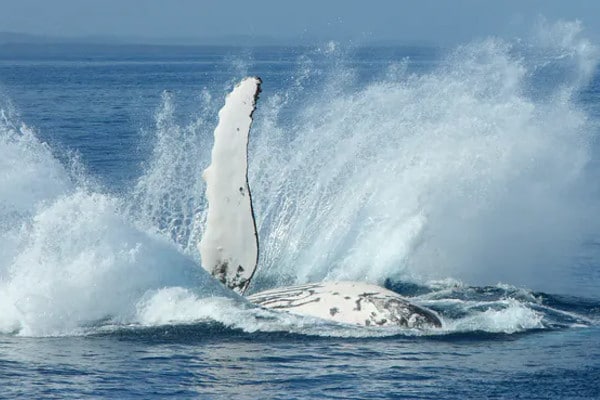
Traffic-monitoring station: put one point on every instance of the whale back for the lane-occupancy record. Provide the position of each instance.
(229, 244)
(354, 303)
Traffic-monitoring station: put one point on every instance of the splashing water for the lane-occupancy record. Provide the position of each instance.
(165, 199)
(457, 172)
(69, 257)
(479, 169)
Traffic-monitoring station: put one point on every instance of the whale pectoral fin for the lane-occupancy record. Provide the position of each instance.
(229, 245)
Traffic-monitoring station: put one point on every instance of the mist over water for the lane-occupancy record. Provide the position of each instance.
(479, 170)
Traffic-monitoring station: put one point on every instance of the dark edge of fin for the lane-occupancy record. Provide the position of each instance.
(256, 97)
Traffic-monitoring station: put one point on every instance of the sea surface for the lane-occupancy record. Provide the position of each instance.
(466, 179)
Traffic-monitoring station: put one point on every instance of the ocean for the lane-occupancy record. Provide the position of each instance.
(465, 178)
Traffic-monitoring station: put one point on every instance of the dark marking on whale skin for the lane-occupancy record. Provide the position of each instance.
(220, 272)
(293, 304)
(284, 296)
(286, 292)
(404, 313)
(361, 297)
(288, 303)
(395, 311)
(357, 308)
(287, 299)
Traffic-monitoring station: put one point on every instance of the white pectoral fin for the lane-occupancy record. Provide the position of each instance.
(229, 245)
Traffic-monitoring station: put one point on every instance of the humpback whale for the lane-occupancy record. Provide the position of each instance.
(229, 244)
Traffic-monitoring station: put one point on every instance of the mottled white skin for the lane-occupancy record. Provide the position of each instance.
(353, 303)
(229, 245)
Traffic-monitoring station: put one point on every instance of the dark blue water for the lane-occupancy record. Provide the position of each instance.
(466, 179)
(212, 362)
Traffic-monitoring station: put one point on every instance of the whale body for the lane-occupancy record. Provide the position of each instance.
(353, 303)
(229, 245)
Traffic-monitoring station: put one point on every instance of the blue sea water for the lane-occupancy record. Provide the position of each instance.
(464, 178)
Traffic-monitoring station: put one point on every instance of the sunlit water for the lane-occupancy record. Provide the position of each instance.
(466, 179)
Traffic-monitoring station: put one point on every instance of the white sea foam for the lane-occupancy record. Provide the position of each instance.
(69, 257)
(513, 317)
(80, 262)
